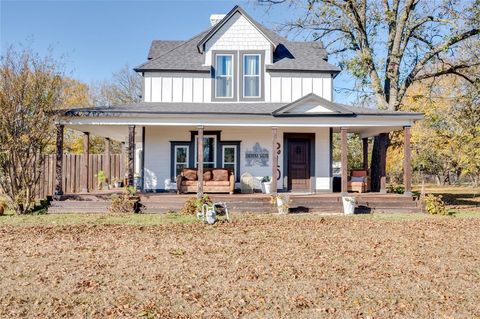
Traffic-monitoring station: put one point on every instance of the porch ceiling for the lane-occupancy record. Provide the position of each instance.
(115, 132)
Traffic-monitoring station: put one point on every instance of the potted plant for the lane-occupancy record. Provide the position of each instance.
(117, 183)
(282, 202)
(267, 184)
(101, 180)
(3, 206)
(349, 203)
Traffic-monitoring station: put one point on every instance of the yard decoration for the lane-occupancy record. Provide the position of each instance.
(209, 213)
(267, 184)
(282, 202)
(349, 203)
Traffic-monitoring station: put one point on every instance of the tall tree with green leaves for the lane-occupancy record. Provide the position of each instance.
(388, 45)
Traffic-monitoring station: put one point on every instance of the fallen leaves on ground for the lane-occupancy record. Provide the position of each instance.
(288, 267)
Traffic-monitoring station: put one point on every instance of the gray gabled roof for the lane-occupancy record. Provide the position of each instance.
(288, 55)
(160, 47)
(335, 108)
(183, 57)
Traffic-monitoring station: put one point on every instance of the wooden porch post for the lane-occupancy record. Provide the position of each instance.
(131, 155)
(59, 162)
(200, 162)
(344, 160)
(108, 171)
(274, 160)
(365, 153)
(407, 162)
(85, 164)
(122, 162)
(383, 164)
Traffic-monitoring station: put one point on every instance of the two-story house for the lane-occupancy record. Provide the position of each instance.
(263, 104)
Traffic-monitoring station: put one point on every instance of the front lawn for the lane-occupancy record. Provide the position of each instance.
(268, 266)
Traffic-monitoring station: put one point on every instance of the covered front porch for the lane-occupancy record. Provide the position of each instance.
(298, 157)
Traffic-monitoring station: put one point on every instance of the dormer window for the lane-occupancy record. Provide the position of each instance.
(251, 75)
(224, 75)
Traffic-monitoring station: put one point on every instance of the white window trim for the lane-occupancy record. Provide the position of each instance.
(225, 76)
(175, 163)
(214, 150)
(234, 155)
(259, 75)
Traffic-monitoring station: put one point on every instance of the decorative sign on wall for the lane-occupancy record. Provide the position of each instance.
(256, 156)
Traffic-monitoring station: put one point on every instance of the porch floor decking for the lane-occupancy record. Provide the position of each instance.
(98, 202)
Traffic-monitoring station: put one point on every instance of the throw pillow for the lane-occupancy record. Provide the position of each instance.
(190, 174)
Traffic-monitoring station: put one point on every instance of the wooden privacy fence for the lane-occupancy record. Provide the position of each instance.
(73, 171)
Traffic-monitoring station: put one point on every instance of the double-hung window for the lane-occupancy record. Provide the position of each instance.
(224, 76)
(251, 75)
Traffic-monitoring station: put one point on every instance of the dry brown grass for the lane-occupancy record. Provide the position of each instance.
(264, 267)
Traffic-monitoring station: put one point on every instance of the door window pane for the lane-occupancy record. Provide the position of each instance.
(181, 158)
(251, 75)
(224, 76)
(229, 157)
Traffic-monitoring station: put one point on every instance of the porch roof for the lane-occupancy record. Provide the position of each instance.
(159, 109)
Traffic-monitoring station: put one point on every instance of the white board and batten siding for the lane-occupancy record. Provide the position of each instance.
(177, 87)
(196, 87)
(289, 87)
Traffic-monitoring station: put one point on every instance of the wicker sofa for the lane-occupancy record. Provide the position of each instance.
(359, 181)
(215, 180)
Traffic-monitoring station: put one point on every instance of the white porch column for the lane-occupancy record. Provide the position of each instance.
(200, 162)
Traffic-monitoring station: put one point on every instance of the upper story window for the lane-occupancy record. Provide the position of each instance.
(251, 75)
(224, 76)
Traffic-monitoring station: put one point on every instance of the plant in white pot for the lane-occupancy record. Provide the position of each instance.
(267, 184)
(282, 202)
(349, 203)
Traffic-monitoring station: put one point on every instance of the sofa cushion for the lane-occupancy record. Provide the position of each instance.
(217, 183)
(207, 176)
(220, 174)
(190, 174)
(358, 173)
(189, 183)
(356, 184)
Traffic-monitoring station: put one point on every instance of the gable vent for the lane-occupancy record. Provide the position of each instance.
(215, 18)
